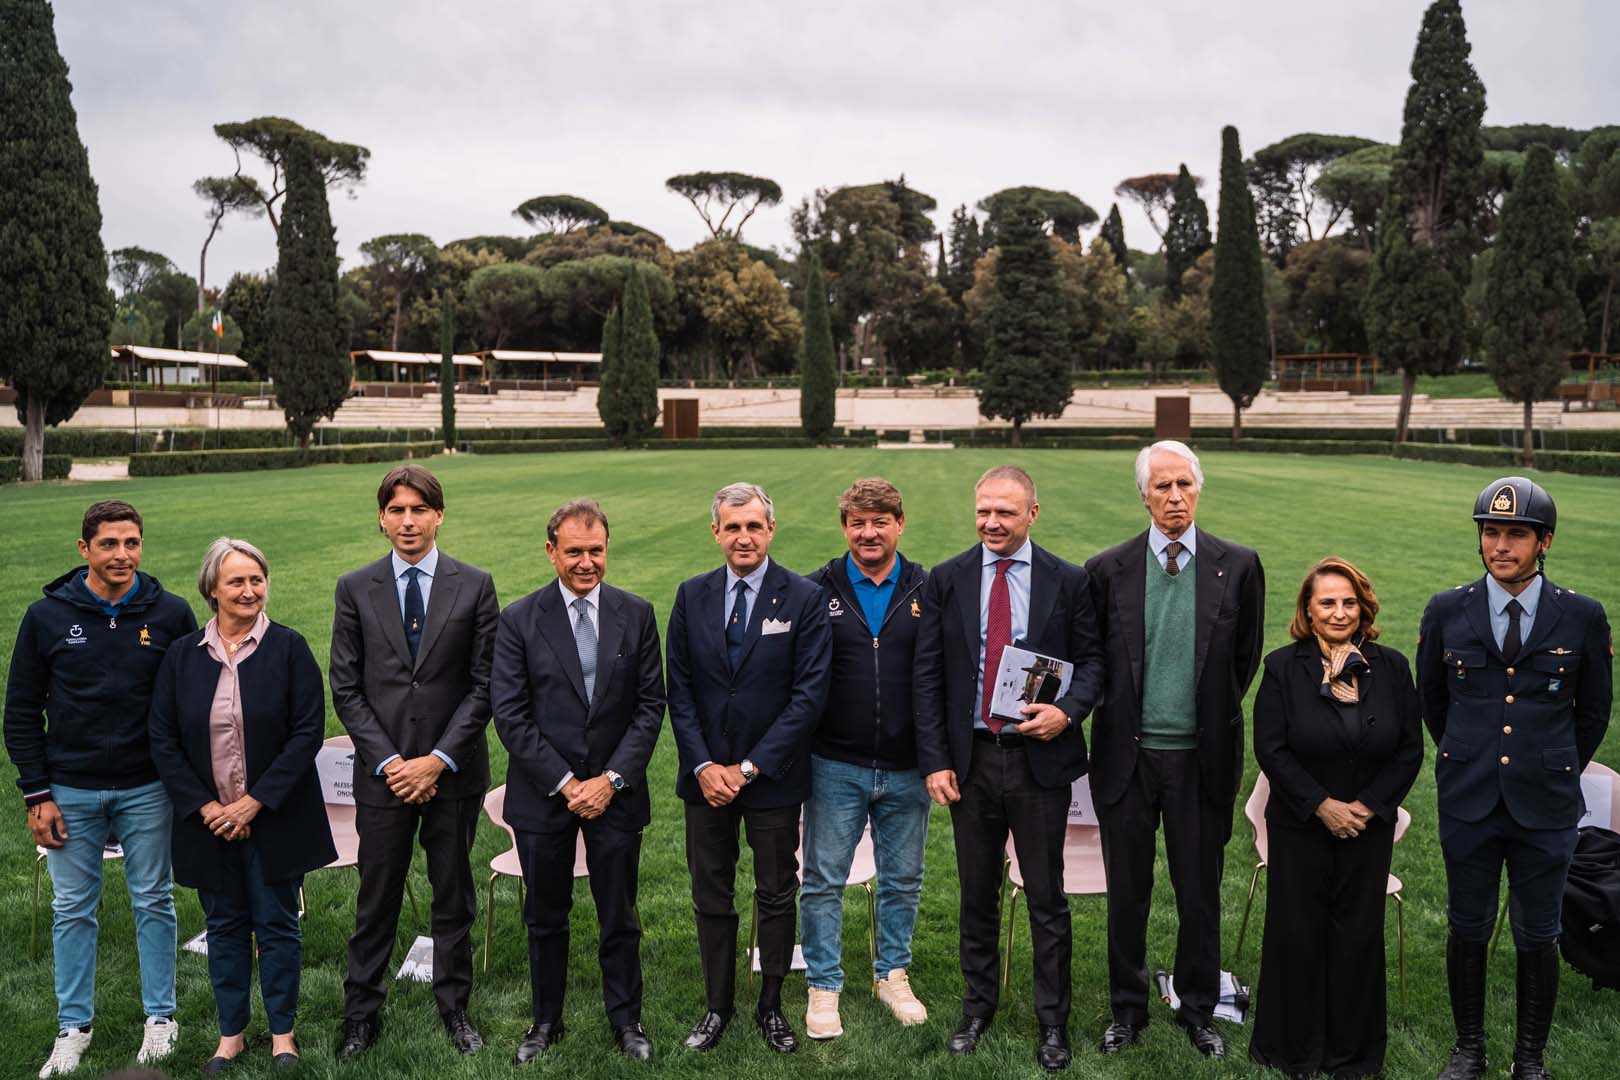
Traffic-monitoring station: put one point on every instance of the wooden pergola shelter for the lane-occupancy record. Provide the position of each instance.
(1355, 372)
(1601, 382)
(383, 365)
(511, 369)
(188, 368)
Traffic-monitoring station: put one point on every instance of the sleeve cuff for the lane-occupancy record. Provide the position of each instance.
(449, 762)
(700, 768)
(34, 798)
(384, 764)
(567, 776)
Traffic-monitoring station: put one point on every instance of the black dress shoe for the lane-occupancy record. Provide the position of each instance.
(965, 1039)
(1052, 1048)
(216, 1065)
(778, 1034)
(463, 1036)
(1206, 1040)
(1119, 1036)
(633, 1042)
(358, 1037)
(537, 1040)
(707, 1031)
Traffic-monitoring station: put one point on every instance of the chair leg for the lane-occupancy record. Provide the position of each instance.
(489, 921)
(1501, 917)
(753, 943)
(1400, 945)
(33, 925)
(871, 932)
(302, 907)
(1248, 906)
(1006, 955)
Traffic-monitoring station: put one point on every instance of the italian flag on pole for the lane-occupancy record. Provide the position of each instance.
(219, 323)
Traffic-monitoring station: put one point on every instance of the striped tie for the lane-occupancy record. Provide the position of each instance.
(585, 639)
(1172, 552)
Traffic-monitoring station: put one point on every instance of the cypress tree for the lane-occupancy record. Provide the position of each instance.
(1237, 300)
(964, 252)
(1187, 235)
(638, 361)
(818, 394)
(1533, 316)
(305, 349)
(1414, 303)
(447, 369)
(608, 396)
(1026, 369)
(1113, 233)
(55, 306)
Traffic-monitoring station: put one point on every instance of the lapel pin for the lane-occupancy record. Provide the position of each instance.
(1220, 573)
(773, 600)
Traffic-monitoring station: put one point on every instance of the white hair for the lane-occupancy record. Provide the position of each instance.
(1169, 446)
(741, 494)
(214, 562)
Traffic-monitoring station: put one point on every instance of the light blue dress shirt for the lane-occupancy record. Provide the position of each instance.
(429, 565)
(1189, 546)
(1496, 598)
(1018, 575)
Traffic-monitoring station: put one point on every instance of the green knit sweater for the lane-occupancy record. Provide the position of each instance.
(1169, 715)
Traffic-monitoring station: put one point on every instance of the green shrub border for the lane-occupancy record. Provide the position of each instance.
(56, 467)
(180, 463)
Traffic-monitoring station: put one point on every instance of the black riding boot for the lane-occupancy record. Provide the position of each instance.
(1537, 993)
(1465, 978)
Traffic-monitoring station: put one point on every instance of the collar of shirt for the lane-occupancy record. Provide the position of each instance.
(858, 576)
(1025, 554)
(593, 598)
(1498, 597)
(755, 579)
(428, 564)
(110, 607)
(214, 641)
(1158, 541)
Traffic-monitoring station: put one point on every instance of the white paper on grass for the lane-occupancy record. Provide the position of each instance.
(418, 963)
(1233, 1002)
(198, 944)
(1025, 678)
(1598, 791)
(797, 963)
(335, 766)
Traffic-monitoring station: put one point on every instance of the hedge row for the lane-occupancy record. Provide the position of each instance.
(56, 467)
(181, 462)
(548, 446)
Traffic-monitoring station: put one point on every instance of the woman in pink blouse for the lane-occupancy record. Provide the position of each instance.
(238, 714)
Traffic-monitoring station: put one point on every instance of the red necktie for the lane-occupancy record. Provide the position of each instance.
(997, 636)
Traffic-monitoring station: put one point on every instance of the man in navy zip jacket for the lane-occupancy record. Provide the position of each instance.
(863, 764)
(75, 727)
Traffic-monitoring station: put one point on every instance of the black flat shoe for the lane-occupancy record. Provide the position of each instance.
(778, 1033)
(1052, 1048)
(216, 1065)
(1206, 1040)
(285, 1061)
(707, 1031)
(358, 1037)
(1119, 1036)
(965, 1039)
(463, 1036)
(537, 1040)
(633, 1042)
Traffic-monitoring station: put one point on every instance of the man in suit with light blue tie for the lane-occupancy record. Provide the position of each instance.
(749, 657)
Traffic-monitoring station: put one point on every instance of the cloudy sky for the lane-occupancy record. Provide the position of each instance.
(469, 109)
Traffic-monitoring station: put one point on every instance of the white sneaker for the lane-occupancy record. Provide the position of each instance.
(821, 1020)
(71, 1043)
(895, 992)
(158, 1040)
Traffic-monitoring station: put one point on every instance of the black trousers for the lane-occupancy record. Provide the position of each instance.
(999, 796)
(1537, 862)
(1320, 1004)
(445, 828)
(711, 856)
(1166, 786)
(613, 857)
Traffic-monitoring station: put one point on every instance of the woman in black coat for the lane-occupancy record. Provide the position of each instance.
(237, 716)
(1338, 732)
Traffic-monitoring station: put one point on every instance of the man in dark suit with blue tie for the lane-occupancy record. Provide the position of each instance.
(412, 639)
(578, 693)
(749, 656)
(1000, 777)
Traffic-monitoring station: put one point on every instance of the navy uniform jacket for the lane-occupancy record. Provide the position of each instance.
(1520, 735)
(766, 711)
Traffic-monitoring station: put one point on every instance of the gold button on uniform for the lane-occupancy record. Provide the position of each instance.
(1504, 759)
(1510, 699)
(1507, 730)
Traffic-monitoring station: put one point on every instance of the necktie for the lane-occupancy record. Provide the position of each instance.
(1172, 551)
(997, 636)
(1511, 641)
(585, 639)
(415, 611)
(737, 626)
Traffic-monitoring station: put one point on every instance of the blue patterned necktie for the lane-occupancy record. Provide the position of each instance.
(737, 626)
(585, 639)
(415, 610)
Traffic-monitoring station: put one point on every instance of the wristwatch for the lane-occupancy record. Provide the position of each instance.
(749, 772)
(615, 779)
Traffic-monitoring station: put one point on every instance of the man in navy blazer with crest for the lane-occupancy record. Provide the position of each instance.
(749, 655)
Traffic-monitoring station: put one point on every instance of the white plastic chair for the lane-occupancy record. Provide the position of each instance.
(862, 872)
(507, 863)
(345, 835)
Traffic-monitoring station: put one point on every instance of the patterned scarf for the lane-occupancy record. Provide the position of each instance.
(1341, 667)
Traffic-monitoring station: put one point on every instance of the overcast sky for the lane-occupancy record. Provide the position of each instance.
(469, 109)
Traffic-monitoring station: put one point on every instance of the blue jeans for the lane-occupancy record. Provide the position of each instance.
(842, 797)
(139, 817)
(248, 909)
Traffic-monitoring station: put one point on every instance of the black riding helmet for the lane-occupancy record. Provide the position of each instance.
(1517, 500)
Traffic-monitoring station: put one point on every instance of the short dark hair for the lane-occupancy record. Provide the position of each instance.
(588, 509)
(107, 510)
(415, 477)
(872, 494)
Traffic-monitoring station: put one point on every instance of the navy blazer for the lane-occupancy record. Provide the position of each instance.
(547, 724)
(283, 721)
(1519, 734)
(766, 711)
(1229, 612)
(1061, 624)
(1302, 746)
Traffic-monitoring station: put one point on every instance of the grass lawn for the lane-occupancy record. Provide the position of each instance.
(1405, 523)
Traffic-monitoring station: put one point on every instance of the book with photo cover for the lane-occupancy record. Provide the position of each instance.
(1027, 678)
